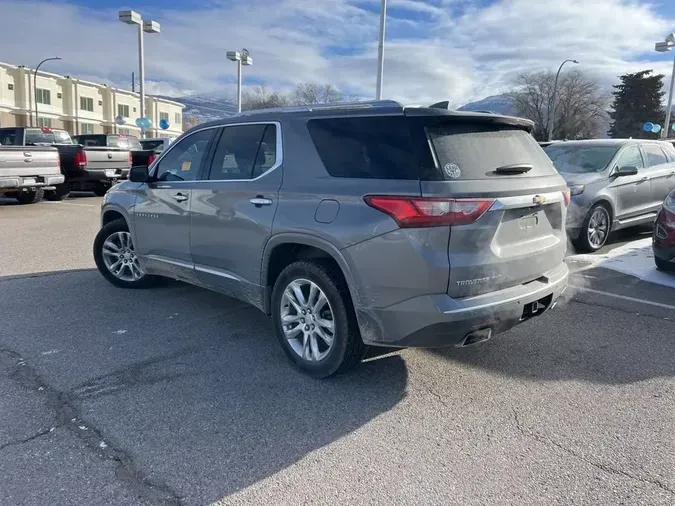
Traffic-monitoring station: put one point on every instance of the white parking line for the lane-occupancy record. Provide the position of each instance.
(622, 297)
(70, 204)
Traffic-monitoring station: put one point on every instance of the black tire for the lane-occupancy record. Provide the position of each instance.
(61, 193)
(116, 226)
(30, 197)
(662, 265)
(101, 190)
(347, 349)
(583, 243)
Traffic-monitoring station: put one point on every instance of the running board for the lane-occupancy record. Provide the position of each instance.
(638, 219)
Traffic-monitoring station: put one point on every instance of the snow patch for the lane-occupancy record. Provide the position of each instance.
(635, 259)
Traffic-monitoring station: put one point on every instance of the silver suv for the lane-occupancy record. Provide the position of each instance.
(364, 224)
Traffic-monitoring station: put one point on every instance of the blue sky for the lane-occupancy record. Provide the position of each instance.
(459, 50)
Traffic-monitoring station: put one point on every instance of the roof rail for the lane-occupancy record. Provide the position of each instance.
(324, 107)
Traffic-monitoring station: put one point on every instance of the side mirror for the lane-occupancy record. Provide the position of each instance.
(139, 174)
(628, 170)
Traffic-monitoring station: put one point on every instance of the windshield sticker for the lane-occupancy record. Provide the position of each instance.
(187, 164)
(452, 171)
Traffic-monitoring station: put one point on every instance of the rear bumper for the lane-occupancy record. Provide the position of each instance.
(439, 320)
(8, 183)
(97, 175)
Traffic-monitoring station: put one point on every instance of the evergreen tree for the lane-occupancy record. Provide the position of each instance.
(637, 100)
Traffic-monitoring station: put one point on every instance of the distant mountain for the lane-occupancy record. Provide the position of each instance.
(501, 104)
(201, 108)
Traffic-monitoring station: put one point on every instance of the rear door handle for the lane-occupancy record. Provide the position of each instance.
(179, 197)
(644, 179)
(261, 201)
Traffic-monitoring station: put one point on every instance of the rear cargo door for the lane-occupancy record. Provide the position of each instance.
(112, 160)
(521, 236)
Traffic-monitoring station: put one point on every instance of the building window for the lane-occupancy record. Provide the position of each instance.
(10, 86)
(87, 104)
(100, 102)
(134, 109)
(87, 128)
(44, 122)
(123, 110)
(125, 131)
(177, 118)
(163, 116)
(43, 96)
(58, 95)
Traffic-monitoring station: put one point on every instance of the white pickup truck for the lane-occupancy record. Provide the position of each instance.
(27, 171)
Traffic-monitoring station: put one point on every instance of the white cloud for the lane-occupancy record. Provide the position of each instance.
(447, 49)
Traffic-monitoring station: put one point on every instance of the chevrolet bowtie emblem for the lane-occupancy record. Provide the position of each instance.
(539, 200)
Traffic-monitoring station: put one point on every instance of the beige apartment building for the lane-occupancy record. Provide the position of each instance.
(78, 106)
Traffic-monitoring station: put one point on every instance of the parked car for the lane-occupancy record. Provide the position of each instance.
(156, 144)
(139, 155)
(614, 184)
(84, 168)
(25, 172)
(664, 235)
(368, 224)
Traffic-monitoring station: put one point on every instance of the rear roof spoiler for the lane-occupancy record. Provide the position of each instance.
(440, 110)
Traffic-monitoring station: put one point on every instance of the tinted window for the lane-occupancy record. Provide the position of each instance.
(184, 161)
(10, 137)
(630, 157)
(267, 154)
(466, 151)
(654, 155)
(156, 146)
(91, 140)
(240, 150)
(366, 148)
(579, 158)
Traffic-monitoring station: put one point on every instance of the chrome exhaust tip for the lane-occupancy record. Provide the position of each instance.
(476, 336)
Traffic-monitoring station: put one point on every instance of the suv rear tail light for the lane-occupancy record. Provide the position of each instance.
(567, 196)
(131, 159)
(151, 159)
(415, 212)
(80, 159)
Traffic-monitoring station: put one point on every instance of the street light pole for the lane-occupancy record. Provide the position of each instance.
(551, 104)
(144, 25)
(664, 47)
(242, 58)
(35, 85)
(380, 50)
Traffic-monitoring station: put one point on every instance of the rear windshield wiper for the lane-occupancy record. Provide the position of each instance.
(515, 168)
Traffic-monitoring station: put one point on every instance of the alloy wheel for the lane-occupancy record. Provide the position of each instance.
(598, 227)
(307, 320)
(120, 257)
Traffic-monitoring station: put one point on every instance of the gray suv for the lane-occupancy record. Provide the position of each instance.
(614, 183)
(363, 224)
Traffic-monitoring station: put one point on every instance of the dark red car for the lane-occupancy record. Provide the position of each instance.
(664, 235)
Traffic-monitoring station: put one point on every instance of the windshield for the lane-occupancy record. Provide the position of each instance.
(579, 159)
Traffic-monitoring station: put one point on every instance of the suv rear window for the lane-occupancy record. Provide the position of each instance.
(365, 148)
(474, 151)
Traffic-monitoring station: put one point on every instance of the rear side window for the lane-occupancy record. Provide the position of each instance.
(244, 152)
(655, 155)
(468, 151)
(365, 148)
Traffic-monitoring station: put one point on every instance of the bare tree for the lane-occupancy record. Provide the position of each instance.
(261, 98)
(581, 105)
(308, 94)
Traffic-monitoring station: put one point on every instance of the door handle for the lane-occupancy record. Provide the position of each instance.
(644, 179)
(179, 197)
(260, 201)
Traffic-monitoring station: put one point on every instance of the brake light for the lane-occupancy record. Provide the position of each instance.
(414, 212)
(151, 159)
(567, 197)
(131, 159)
(80, 159)
(46, 130)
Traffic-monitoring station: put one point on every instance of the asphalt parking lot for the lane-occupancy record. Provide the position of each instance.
(177, 395)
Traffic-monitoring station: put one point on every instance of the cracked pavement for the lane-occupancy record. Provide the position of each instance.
(179, 396)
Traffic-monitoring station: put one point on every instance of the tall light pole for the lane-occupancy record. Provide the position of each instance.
(664, 47)
(380, 50)
(147, 26)
(551, 104)
(243, 58)
(35, 84)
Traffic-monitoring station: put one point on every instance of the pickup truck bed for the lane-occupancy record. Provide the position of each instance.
(26, 171)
